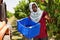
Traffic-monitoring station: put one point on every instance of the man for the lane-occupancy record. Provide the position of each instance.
(5, 28)
(38, 15)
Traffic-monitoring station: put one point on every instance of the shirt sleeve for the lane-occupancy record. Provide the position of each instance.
(45, 13)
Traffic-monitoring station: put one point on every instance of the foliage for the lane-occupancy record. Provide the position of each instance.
(53, 8)
(21, 10)
(9, 14)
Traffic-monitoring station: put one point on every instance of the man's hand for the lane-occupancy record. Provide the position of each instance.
(48, 18)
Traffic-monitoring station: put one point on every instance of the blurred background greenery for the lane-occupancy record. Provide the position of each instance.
(22, 10)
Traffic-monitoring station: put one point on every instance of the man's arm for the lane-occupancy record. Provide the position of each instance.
(3, 31)
(48, 18)
(2, 24)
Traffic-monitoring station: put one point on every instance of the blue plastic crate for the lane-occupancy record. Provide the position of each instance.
(28, 28)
